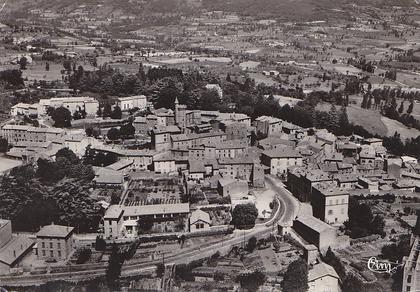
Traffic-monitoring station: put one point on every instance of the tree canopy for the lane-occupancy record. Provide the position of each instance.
(244, 216)
(36, 195)
(296, 277)
(361, 221)
(61, 117)
(251, 281)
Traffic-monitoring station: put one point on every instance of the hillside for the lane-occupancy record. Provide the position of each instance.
(291, 9)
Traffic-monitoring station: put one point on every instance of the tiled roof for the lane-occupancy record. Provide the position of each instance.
(321, 270)
(59, 231)
(156, 209)
(282, 153)
(14, 249)
(315, 223)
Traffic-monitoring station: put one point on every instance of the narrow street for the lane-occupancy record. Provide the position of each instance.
(289, 204)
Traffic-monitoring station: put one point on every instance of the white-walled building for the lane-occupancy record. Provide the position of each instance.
(55, 242)
(24, 109)
(199, 221)
(278, 160)
(113, 221)
(130, 102)
(323, 277)
(73, 104)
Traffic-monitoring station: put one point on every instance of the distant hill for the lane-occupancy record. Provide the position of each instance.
(291, 9)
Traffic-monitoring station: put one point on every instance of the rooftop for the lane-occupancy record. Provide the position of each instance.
(128, 98)
(282, 153)
(53, 230)
(315, 224)
(198, 215)
(321, 270)
(14, 249)
(113, 212)
(156, 209)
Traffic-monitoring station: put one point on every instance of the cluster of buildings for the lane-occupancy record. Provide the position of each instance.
(52, 243)
(30, 143)
(215, 158)
(74, 104)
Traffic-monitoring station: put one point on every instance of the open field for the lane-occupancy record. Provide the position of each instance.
(370, 120)
(7, 164)
(374, 122)
(394, 126)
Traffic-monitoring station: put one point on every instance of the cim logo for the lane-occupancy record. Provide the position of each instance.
(382, 266)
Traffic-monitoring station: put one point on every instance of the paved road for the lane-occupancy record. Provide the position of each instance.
(286, 213)
(289, 204)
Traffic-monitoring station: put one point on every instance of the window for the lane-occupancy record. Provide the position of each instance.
(59, 253)
(409, 279)
(43, 244)
(58, 245)
(51, 245)
(343, 201)
(51, 253)
(197, 226)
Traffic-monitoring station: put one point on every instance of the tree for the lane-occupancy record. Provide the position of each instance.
(89, 131)
(107, 111)
(116, 113)
(67, 65)
(331, 259)
(13, 77)
(99, 112)
(113, 134)
(361, 222)
(251, 281)
(48, 171)
(377, 225)
(228, 78)
(145, 224)
(127, 130)
(68, 154)
(209, 100)
(401, 108)
(296, 277)
(4, 145)
(252, 244)
(83, 255)
(23, 62)
(113, 271)
(100, 243)
(160, 270)
(416, 230)
(410, 108)
(61, 117)
(244, 216)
